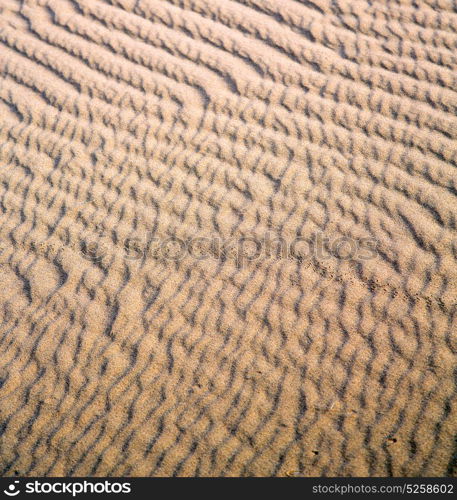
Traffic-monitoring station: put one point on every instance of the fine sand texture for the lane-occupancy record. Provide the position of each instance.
(228, 237)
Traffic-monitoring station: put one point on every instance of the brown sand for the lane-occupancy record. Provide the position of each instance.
(152, 119)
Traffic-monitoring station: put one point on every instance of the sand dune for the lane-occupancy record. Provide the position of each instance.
(228, 237)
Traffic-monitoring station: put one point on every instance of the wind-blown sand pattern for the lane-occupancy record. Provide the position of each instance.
(140, 120)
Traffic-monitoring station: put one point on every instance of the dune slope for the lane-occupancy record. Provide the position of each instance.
(228, 237)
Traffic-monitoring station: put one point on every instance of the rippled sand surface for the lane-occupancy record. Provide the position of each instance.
(132, 128)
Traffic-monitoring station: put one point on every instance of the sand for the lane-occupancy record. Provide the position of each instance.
(228, 238)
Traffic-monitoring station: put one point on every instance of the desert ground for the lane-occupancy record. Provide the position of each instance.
(228, 241)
